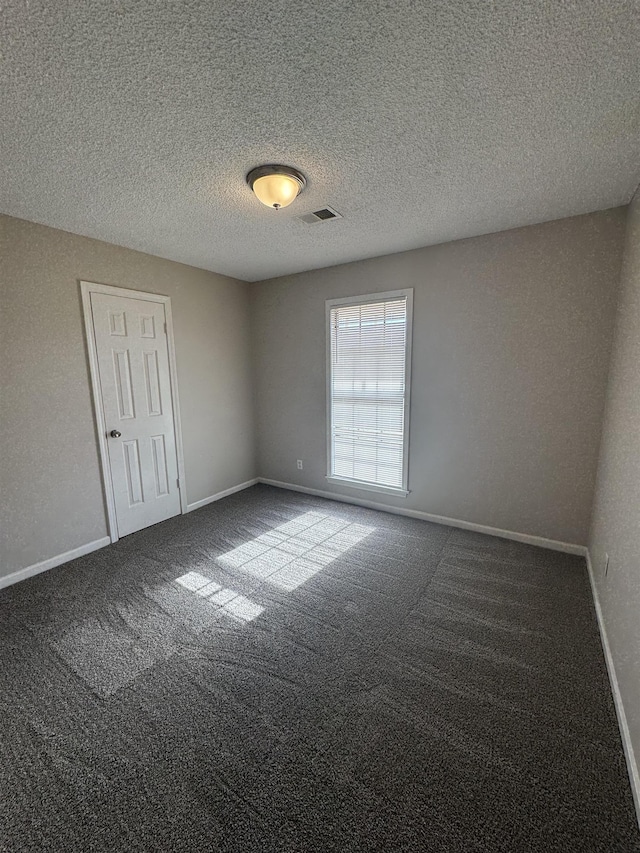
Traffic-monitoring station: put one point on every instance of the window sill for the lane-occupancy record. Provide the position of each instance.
(368, 487)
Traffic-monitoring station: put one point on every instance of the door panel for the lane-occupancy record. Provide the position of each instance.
(152, 382)
(122, 379)
(133, 472)
(133, 365)
(160, 465)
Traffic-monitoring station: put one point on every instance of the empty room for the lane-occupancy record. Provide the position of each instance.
(320, 424)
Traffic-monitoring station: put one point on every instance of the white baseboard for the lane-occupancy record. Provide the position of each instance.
(58, 560)
(219, 495)
(52, 562)
(627, 744)
(551, 544)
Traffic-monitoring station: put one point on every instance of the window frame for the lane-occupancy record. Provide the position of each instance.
(386, 296)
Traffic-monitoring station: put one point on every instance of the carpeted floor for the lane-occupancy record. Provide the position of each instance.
(282, 673)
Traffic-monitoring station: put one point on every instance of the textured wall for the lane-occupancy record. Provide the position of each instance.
(512, 336)
(51, 487)
(616, 518)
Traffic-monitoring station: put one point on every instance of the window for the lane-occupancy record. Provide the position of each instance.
(369, 358)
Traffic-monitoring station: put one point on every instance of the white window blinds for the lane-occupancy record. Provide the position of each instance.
(367, 391)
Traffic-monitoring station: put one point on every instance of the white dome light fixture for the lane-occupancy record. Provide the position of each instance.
(276, 186)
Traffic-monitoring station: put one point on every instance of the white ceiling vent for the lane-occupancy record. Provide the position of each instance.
(323, 215)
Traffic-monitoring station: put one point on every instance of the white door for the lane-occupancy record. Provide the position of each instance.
(135, 387)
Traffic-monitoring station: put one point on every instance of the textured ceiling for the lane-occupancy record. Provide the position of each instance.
(421, 122)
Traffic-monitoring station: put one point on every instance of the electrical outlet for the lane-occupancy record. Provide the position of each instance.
(299, 464)
(606, 565)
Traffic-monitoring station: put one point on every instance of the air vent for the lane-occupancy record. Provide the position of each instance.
(323, 215)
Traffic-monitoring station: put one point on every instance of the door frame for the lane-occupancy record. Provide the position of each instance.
(86, 289)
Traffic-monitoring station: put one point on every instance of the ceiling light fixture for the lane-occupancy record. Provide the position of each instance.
(276, 186)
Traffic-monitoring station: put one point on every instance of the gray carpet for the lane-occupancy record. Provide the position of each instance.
(281, 673)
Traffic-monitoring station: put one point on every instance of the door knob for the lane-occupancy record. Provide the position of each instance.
(115, 434)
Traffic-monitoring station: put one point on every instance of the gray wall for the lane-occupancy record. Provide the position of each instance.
(512, 336)
(616, 517)
(51, 490)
